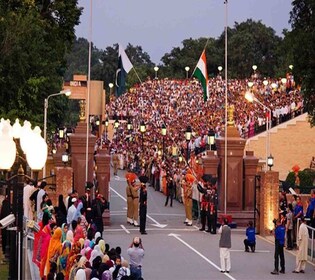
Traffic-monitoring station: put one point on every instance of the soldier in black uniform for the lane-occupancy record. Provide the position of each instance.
(143, 203)
(213, 202)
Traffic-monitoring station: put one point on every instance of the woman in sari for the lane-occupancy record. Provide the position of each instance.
(54, 249)
(65, 251)
(72, 258)
(43, 247)
(64, 229)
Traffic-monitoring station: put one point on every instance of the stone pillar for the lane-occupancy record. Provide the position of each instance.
(103, 177)
(269, 201)
(64, 183)
(210, 164)
(78, 157)
(235, 153)
(250, 169)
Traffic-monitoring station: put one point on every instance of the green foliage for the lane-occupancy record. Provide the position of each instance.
(307, 180)
(34, 37)
(302, 39)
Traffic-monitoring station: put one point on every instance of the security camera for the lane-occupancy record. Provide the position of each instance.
(8, 220)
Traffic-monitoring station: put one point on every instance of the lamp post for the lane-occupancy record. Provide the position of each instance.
(188, 133)
(270, 161)
(106, 128)
(163, 132)
(35, 149)
(142, 130)
(220, 68)
(116, 125)
(187, 70)
(210, 138)
(111, 85)
(156, 69)
(63, 92)
(251, 98)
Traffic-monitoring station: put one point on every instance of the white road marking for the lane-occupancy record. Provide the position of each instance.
(124, 228)
(157, 224)
(256, 251)
(199, 254)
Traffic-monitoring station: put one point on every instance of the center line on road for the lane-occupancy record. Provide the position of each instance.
(199, 254)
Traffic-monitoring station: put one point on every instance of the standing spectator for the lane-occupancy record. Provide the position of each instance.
(302, 242)
(297, 213)
(72, 211)
(5, 211)
(115, 160)
(279, 244)
(289, 226)
(39, 199)
(250, 240)
(27, 192)
(136, 254)
(98, 207)
(225, 245)
(170, 187)
(143, 203)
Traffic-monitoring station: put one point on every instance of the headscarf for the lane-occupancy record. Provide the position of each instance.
(106, 275)
(98, 249)
(54, 249)
(69, 236)
(64, 234)
(94, 254)
(66, 249)
(97, 234)
(101, 244)
(78, 234)
(80, 275)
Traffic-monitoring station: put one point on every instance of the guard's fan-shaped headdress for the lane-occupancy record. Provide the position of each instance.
(190, 178)
(130, 177)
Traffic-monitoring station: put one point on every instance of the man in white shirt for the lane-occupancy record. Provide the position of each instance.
(27, 191)
(40, 194)
(72, 211)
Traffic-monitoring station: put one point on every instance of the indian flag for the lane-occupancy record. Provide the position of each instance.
(202, 75)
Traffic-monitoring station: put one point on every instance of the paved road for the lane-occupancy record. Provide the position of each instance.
(175, 251)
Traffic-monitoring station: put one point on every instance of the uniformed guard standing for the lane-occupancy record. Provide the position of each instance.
(143, 203)
(187, 185)
(135, 202)
(204, 209)
(131, 177)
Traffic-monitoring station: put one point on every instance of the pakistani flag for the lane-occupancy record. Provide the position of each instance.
(124, 66)
(202, 75)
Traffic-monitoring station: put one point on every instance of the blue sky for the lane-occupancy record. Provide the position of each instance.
(160, 25)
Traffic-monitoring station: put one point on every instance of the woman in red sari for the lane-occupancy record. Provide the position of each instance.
(43, 247)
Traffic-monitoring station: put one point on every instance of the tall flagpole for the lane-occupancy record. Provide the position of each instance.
(88, 98)
(226, 104)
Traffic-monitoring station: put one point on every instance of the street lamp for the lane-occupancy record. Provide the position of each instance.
(142, 130)
(220, 68)
(129, 125)
(270, 161)
(250, 84)
(65, 158)
(35, 149)
(210, 138)
(265, 82)
(111, 85)
(291, 67)
(163, 132)
(188, 133)
(187, 70)
(251, 98)
(254, 67)
(63, 92)
(156, 69)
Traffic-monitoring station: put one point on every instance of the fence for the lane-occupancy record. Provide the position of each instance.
(311, 242)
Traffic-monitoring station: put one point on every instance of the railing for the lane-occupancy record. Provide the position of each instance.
(251, 132)
(311, 241)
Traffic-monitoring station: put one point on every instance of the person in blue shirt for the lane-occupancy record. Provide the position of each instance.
(250, 241)
(279, 244)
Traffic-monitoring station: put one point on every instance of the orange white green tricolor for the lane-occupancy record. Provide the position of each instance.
(202, 75)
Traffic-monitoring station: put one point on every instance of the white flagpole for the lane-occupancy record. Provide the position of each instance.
(226, 104)
(88, 98)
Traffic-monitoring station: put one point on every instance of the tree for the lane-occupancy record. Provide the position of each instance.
(34, 37)
(302, 38)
